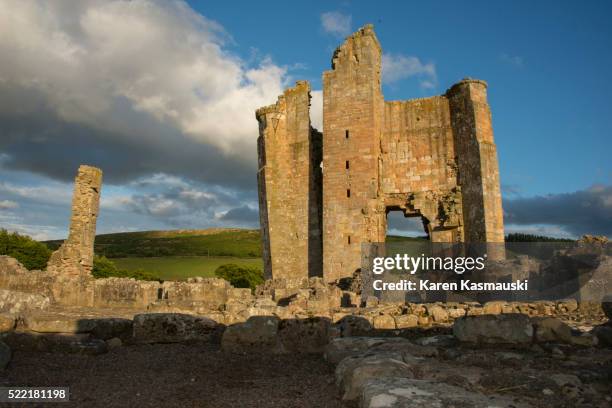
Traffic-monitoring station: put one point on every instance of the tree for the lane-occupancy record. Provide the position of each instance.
(240, 276)
(32, 254)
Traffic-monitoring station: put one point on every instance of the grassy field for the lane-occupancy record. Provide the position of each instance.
(183, 267)
(180, 254)
(239, 243)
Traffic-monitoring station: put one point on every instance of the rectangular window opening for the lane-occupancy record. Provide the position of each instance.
(348, 192)
(349, 240)
(346, 133)
(347, 164)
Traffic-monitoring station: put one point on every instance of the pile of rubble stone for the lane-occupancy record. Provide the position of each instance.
(502, 361)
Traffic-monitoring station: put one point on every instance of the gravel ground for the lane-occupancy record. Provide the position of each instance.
(176, 375)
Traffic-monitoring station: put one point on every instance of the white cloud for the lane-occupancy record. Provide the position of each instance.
(162, 58)
(396, 67)
(56, 193)
(336, 23)
(316, 110)
(8, 205)
(514, 60)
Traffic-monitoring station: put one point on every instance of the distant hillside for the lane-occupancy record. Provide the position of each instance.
(241, 243)
(234, 242)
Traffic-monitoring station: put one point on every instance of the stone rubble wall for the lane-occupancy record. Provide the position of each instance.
(284, 298)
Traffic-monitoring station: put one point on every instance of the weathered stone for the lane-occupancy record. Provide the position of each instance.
(304, 335)
(495, 307)
(505, 328)
(424, 320)
(438, 313)
(257, 334)
(75, 256)
(406, 347)
(59, 323)
(172, 328)
(114, 343)
(11, 266)
(455, 313)
(354, 325)
(7, 322)
(551, 329)
(441, 340)
(89, 346)
(410, 393)
(5, 355)
(109, 328)
(15, 302)
(79, 343)
(353, 377)
(406, 321)
(340, 348)
(385, 321)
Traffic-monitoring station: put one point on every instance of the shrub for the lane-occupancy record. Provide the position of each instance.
(105, 268)
(240, 276)
(32, 254)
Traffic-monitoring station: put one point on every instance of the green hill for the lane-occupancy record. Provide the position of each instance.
(214, 242)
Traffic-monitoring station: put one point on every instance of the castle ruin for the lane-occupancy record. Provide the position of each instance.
(322, 195)
(75, 256)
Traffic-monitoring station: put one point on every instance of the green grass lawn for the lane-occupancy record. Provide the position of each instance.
(214, 242)
(183, 267)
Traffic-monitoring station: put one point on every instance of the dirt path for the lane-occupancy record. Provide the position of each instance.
(175, 375)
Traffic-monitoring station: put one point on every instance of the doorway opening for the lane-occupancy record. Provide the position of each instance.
(403, 227)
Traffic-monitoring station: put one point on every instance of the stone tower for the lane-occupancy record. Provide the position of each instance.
(289, 180)
(75, 256)
(352, 124)
(432, 158)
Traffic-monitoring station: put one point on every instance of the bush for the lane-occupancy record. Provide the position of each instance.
(32, 254)
(105, 268)
(240, 276)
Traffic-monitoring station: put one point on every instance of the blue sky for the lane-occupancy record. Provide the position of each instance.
(546, 63)
(161, 96)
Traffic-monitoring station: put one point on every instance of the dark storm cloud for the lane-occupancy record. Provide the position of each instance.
(40, 142)
(244, 215)
(136, 88)
(582, 212)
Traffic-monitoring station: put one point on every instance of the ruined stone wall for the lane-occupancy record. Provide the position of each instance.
(75, 256)
(288, 189)
(352, 123)
(419, 169)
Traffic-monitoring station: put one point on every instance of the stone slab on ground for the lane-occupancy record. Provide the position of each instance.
(342, 347)
(511, 328)
(410, 393)
(352, 373)
(257, 334)
(58, 323)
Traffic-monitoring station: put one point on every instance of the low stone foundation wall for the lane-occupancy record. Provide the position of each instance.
(198, 293)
